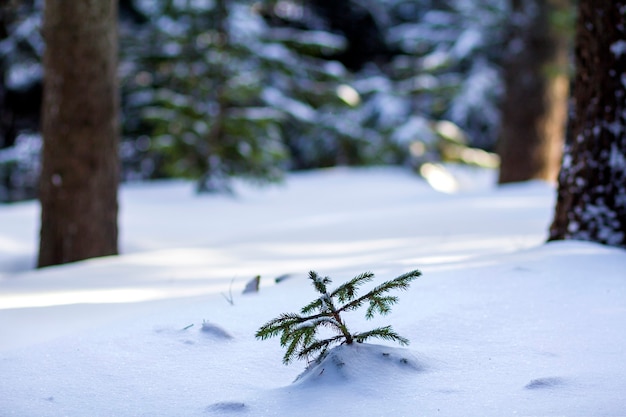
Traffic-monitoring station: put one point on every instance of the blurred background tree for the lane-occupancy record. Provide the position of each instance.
(536, 78)
(214, 89)
(80, 165)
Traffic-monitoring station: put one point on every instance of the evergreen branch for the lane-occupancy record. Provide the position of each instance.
(347, 291)
(327, 321)
(312, 306)
(303, 336)
(385, 333)
(280, 324)
(401, 283)
(324, 299)
(291, 349)
(380, 304)
(318, 282)
(319, 345)
(324, 304)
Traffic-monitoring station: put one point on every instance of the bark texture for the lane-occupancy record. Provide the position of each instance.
(79, 179)
(534, 111)
(591, 203)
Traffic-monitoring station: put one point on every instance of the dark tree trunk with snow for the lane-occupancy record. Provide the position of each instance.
(591, 201)
(534, 110)
(78, 186)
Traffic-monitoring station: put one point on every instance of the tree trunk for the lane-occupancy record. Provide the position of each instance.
(591, 202)
(79, 178)
(534, 110)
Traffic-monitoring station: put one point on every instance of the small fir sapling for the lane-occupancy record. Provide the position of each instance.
(298, 331)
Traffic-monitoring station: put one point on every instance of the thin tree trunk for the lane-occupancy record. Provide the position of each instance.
(534, 110)
(591, 202)
(78, 185)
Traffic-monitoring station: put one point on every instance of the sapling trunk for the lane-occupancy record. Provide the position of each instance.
(343, 328)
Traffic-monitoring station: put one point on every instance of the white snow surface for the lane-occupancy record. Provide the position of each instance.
(500, 323)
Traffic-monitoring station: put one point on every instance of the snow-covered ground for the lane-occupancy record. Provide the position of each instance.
(500, 323)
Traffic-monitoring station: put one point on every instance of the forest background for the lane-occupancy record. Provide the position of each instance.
(215, 89)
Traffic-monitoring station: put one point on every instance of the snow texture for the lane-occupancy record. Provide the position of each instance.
(500, 323)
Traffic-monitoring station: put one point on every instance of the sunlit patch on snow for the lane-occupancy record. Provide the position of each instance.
(96, 296)
(176, 257)
(439, 178)
(99, 295)
(338, 249)
(435, 260)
